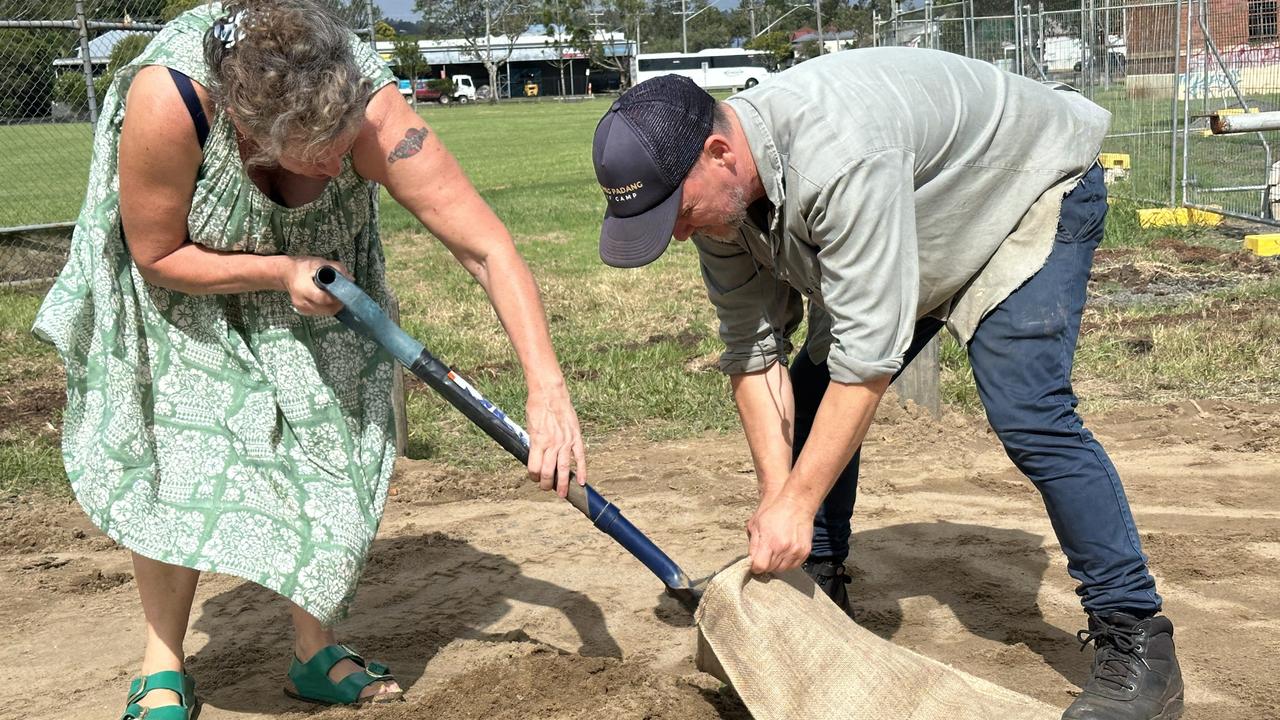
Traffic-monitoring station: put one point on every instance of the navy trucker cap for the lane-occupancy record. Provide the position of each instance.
(644, 147)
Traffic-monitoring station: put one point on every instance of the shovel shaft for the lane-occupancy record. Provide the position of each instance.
(362, 314)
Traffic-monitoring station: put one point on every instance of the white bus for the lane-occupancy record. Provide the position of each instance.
(712, 69)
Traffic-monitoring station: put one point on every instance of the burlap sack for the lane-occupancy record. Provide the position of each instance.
(791, 654)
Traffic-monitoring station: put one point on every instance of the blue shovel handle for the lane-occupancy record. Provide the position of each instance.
(362, 314)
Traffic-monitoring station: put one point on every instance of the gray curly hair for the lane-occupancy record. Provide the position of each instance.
(285, 70)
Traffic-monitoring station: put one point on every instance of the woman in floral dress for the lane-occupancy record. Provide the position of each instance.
(218, 418)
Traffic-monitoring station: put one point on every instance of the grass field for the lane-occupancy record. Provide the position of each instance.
(42, 178)
(44, 172)
(639, 347)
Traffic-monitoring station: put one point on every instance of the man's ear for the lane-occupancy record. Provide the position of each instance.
(719, 150)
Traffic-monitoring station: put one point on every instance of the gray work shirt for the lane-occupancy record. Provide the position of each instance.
(903, 183)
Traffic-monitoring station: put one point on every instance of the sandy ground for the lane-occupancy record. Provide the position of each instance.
(493, 601)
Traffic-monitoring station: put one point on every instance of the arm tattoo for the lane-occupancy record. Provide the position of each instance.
(409, 146)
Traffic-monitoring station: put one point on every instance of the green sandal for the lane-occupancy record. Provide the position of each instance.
(178, 682)
(311, 682)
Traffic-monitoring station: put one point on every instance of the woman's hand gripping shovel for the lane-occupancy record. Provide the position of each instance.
(362, 314)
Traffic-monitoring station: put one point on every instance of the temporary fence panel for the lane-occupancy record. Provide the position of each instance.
(1161, 68)
(1232, 64)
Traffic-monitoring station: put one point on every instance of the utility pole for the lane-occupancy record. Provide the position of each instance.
(821, 44)
(684, 26)
(751, 12)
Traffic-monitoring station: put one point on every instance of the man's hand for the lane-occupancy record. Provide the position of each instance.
(781, 534)
(782, 529)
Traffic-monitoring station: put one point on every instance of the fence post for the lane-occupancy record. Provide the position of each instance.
(921, 381)
(1173, 106)
(1186, 104)
(928, 24)
(1017, 36)
(1107, 68)
(86, 64)
(893, 9)
(1040, 37)
(970, 31)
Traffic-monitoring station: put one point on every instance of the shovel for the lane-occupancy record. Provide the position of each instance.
(362, 314)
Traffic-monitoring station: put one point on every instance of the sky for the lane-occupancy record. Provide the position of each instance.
(398, 9)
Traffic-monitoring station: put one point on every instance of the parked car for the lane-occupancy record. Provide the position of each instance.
(461, 90)
(404, 86)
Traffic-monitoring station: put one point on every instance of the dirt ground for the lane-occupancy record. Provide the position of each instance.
(490, 600)
(1125, 277)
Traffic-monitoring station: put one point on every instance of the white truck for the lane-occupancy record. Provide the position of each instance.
(1065, 54)
(464, 91)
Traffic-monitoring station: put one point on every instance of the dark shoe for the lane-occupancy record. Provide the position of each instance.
(829, 575)
(1135, 671)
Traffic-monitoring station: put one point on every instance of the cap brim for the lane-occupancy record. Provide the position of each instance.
(639, 240)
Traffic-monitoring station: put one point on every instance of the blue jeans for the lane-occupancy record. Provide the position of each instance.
(1022, 355)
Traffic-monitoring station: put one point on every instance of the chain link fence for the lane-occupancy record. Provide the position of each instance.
(1161, 68)
(57, 58)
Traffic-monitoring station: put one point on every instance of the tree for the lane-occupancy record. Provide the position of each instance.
(174, 8)
(137, 10)
(845, 17)
(777, 44)
(560, 32)
(405, 27)
(489, 28)
(409, 65)
(70, 93)
(592, 35)
(712, 28)
(382, 30)
(125, 50)
(26, 71)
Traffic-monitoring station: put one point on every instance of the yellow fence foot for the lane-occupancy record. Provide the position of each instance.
(1165, 217)
(1264, 245)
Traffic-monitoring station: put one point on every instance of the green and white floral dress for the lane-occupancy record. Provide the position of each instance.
(225, 432)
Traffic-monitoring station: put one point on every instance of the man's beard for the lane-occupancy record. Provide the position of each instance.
(727, 232)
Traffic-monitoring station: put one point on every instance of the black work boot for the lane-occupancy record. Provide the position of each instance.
(1135, 671)
(830, 577)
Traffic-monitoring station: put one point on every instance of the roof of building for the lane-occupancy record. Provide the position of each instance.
(826, 37)
(529, 46)
(100, 47)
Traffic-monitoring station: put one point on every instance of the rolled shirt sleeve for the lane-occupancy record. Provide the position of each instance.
(758, 313)
(863, 223)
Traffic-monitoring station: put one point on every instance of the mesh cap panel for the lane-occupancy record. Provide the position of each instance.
(672, 118)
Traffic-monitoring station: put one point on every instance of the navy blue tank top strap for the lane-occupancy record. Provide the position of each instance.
(192, 101)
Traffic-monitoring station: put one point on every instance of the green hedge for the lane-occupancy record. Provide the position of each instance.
(69, 90)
